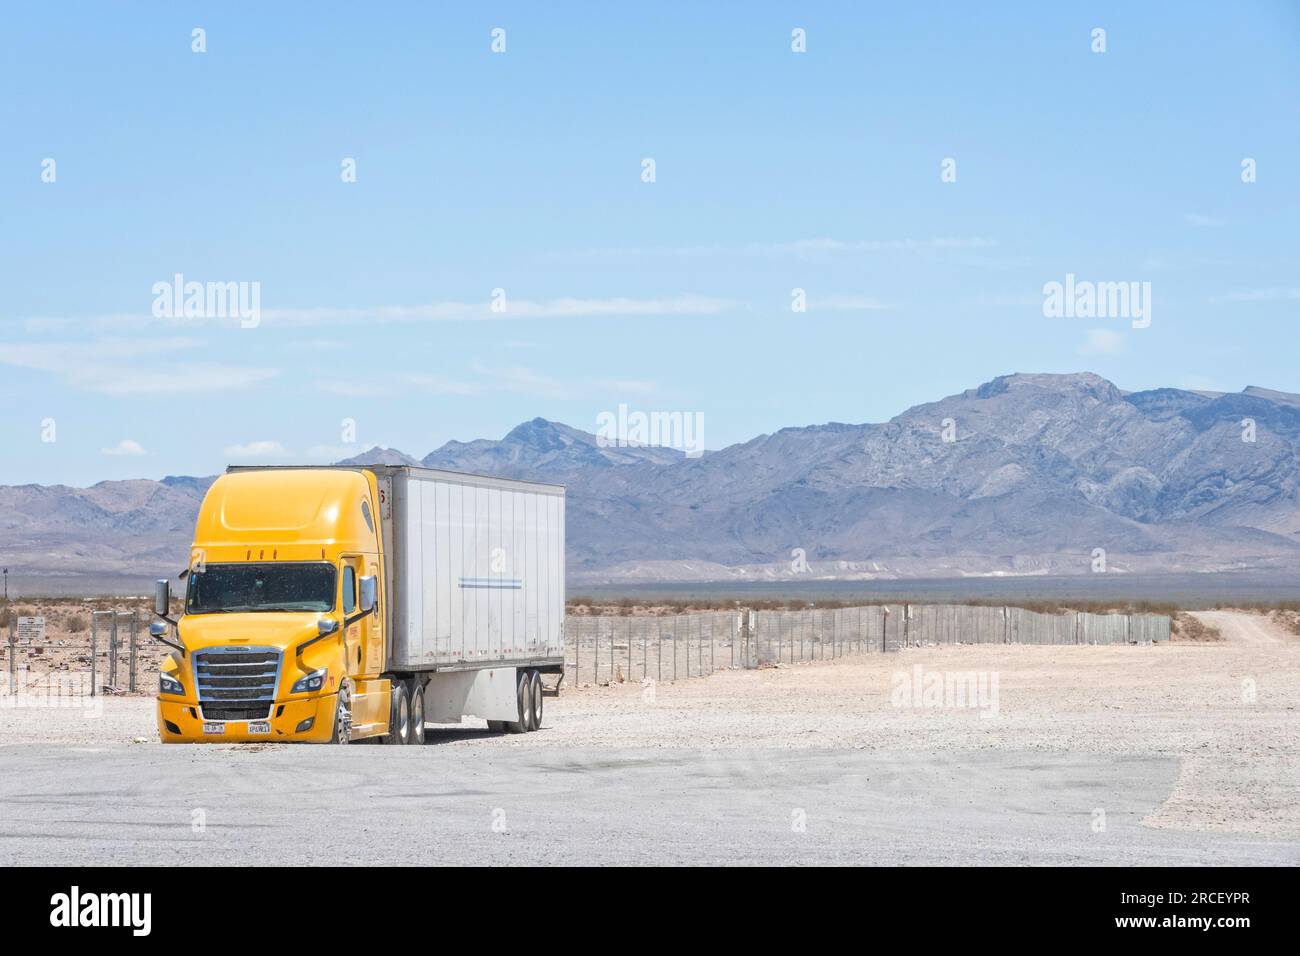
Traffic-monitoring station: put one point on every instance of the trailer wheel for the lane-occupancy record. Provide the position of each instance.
(536, 692)
(523, 696)
(342, 730)
(416, 694)
(399, 716)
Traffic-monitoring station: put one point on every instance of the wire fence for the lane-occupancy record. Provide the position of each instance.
(110, 653)
(601, 650)
(605, 649)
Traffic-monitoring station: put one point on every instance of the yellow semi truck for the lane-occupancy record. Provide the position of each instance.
(333, 604)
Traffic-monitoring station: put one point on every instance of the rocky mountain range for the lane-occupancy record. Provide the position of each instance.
(1026, 474)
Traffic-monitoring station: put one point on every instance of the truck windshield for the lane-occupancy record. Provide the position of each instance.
(261, 587)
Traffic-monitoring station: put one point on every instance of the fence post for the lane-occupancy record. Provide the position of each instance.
(687, 622)
(135, 622)
(13, 649)
(94, 649)
(659, 639)
(699, 647)
(112, 650)
(674, 636)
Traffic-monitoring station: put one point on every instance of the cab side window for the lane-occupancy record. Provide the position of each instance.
(349, 589)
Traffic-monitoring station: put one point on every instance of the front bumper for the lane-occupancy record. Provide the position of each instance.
(186, 722)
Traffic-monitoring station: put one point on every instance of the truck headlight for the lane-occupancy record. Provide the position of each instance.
(313, 681)
(170, 685)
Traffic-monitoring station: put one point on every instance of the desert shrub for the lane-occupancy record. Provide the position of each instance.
(1188, 628)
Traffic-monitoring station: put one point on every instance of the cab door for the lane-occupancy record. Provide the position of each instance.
(364, 637)
(372, 633)
(352, 633)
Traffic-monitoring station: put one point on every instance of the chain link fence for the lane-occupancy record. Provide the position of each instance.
(601, 650)
(111, 659)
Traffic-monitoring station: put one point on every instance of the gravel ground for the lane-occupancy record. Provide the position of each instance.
(1186, 753)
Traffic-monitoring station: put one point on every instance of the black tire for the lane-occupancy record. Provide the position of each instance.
(497, 726)
(537, 700)
(523, 701)
(415, 691)
(341, 732)
(399, 716)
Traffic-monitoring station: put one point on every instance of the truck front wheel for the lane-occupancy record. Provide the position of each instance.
(342, 732)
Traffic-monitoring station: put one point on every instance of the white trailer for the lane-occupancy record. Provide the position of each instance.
(475, 570)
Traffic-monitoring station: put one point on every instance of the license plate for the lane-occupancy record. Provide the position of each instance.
(259, 726)
(214, 728)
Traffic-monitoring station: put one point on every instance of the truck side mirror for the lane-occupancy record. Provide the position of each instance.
(158, 631)
(162, 597)
(369, 592)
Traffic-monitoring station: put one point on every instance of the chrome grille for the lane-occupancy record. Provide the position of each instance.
(236, 683)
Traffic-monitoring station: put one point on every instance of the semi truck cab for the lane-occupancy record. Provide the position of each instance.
(294, 599)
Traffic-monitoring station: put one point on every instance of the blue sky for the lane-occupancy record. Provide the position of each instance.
(522, 171)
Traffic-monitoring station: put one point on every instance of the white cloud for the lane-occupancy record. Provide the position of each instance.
(845, 303)
(799, 248)
(1206, 222)
(1258, 295)
(1102, 342)
(333, 453)
(130, 366)
(438, 384)
(454, 311)
(125, 447)
(528, 382)
(445, 311)
(518, 379)
(257, 449)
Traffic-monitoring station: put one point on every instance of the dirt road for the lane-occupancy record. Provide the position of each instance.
(1240, 627)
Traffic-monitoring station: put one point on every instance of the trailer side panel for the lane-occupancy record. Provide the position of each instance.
(478, 567)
